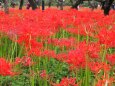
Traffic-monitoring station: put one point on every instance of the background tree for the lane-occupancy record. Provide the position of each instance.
(49, 3)
(21, 4)
(77, 3)
(6, 7)
(107, 6)
(32, 4)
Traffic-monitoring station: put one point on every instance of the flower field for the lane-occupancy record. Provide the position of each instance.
(57, 48)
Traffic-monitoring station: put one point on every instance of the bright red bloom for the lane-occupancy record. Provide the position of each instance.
(67, 82)
(111, 59)
(95, 67)
(17, 60)
(93, 50)
(106, 67)
(76, 58)
(48, 53)
(34, 51)
(5, 68)
(67, 42)
(62, 57)
(105, 81)
(100, 83)
(107, 36)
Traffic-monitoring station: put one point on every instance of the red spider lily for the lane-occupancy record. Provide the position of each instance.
(70, 42)
(106, 67)
(48, 53)
(61, 57)
(105, 81)
(24, 39)
(5, 68)
(83, 26)
(29, 41)
(95, 67)
(35, 44)
(67, 20)
(93, 50)
(34, 51)
(100, 83)
(103, 23)
(67, 82)
(28, 26)
(25, 61)
(77, 58)
(77, 31)
(111, 59)
(17, 60)
(43, 74)
(107, 37)
(32, 46)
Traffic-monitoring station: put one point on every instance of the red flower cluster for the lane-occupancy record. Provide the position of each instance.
(5, 68)
(73, 37)
(67, 42)
(67, 82)
(107, 36)
(25, 61)
(111, 59)
(96, 67)
(43, 74)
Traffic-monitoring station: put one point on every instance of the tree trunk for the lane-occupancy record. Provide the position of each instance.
(49, 3)
(33, 4)
(102, 5)
(43, 5)
(107, 6)
(61, 5)
(6, 8)
(21, 4)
